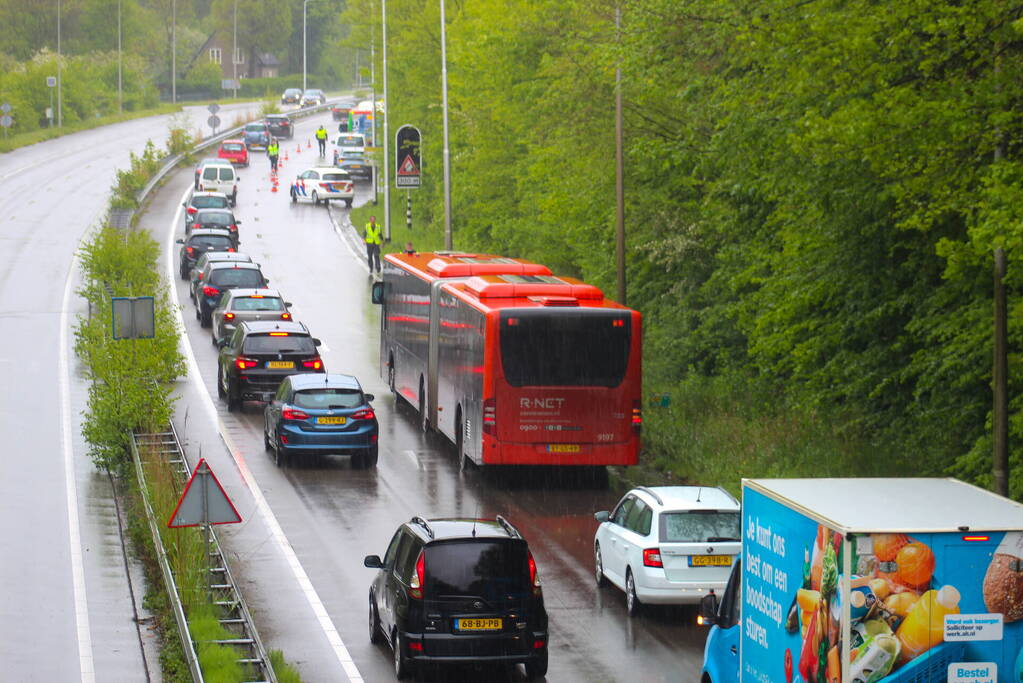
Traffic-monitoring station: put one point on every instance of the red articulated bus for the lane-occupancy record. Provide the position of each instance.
(512, 364)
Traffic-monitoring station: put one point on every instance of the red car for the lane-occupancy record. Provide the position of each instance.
(234, 151)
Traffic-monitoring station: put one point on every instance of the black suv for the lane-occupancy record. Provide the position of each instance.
(198, 243)
(217, 278)
(261, 354)
(215, 219)
(458, 590)
(280, 125)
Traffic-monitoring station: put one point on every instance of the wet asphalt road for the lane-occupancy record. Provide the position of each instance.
(67, 607)
(332, 515)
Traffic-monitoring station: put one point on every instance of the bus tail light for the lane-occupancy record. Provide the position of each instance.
(490, 416)
(637, 416)
(415, 586)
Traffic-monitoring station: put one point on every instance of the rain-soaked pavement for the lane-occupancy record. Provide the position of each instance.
(69, 603)
(299, 552)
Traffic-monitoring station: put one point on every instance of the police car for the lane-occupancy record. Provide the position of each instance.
(323, 184)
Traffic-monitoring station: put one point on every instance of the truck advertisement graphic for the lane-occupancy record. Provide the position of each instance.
(824, 599)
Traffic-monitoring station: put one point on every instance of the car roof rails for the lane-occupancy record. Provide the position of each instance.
(512, 531)
(651, 492)
(422, 522)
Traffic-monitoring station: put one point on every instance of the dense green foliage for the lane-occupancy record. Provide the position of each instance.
(814, 191)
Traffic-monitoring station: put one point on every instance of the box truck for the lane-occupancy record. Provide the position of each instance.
(869, 580)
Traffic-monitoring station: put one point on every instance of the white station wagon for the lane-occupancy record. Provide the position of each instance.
(668, 545)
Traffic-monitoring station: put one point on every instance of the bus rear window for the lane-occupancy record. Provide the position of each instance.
(565, 348)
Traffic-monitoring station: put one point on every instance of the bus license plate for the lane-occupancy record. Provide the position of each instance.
(563, 448)
(479, 624)
(710, 560)
(280, 364)
(330, 420)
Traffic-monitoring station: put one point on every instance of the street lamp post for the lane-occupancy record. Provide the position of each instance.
(387, 106)
(174, 51)
(60, 111)
(120, 92)
(234, 50)
(305, 3)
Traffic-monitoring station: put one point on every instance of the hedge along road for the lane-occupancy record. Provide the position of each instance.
(67, 611)
(331, 515)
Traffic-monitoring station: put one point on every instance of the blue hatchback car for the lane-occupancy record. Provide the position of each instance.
(321, 414)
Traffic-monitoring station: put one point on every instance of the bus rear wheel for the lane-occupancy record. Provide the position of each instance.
(424, 421)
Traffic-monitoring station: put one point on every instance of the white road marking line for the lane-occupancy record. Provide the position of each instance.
(311, 596)
(85, 658)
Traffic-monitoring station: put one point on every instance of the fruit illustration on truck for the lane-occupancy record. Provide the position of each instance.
(870, 580)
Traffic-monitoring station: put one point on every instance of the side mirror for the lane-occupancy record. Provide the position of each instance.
(377, 292)
(373, 562)
(601, 516)
(288, 304)
(708, 615)
(317, 341)
(370, 398)
(184, 204)
(266, 281)
(179, 241)
(221, 342)
(237, 222)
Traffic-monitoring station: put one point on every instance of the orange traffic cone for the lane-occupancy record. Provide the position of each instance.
(308, 144)
(298, 150)
(273, 188)
(285, 156)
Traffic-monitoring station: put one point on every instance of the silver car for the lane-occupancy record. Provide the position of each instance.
(238, 305)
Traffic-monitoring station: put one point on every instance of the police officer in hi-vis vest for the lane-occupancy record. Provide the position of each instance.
(373, 241)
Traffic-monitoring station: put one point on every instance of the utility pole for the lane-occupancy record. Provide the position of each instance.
(447, 154)
(234, 50)
(619, 172)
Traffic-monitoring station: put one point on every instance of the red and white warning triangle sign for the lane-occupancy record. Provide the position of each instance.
(408, 167)
(204, 501)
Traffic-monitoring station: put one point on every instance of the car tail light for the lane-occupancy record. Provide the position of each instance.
(285, 316)
(490, 416)
(652, 557)
(364, 414)
(229, 316)
(192, 211)
(210, 291)
(294, 414)
(415, 645)
(539, 644)
(534, 574)
(313, 364)
(233, 228)
(190, 251)
(196, 226)
(415, 586)
(637, 416)
(243, 363)
(231, 249)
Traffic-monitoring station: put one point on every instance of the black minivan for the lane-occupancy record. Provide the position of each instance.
(458, 590)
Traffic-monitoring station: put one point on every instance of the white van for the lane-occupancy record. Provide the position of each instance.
(350, 142)
(219, 177)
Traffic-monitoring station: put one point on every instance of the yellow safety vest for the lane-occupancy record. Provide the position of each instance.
(273, 149)
(321, 134)
(373, 234)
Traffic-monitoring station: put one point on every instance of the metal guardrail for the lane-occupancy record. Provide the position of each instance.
(172, 161)
(234, 613)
